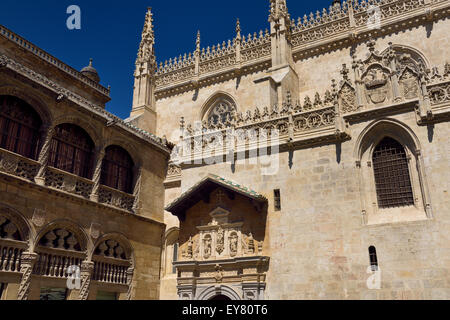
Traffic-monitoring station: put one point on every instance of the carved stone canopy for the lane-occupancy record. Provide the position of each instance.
(203, 189)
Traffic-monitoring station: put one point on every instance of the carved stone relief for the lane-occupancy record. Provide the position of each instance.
(376, 83)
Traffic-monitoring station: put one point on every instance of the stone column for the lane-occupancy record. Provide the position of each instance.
(44, 155)
(100, 155)
(28, 259)
(130, 273)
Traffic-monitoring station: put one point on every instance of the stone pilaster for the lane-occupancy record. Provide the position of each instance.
(130, 273)
(87, 268)
(28, 260)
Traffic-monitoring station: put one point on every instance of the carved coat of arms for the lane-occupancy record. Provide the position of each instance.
(376, 85)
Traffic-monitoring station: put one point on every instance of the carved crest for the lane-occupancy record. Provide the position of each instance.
(410, 84)
(375, 81)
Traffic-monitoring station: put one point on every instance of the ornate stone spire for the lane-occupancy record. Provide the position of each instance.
(146, 51)
(238, 29)
(278, 10)
(282, 71)
(197, 42)
(143, 111)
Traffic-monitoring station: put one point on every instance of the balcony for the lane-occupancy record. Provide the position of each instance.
(61, 180)
(16, 165)
(110, 270)
(55, 262)
(23, 168)
(116, 198)
(10, 254)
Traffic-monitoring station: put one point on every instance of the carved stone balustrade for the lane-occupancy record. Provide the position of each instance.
(116, 198)
(318, 122)
(24, 168)
(16, 165)
(110, 270)
(54, 262)
(61, 180)
(10, 254)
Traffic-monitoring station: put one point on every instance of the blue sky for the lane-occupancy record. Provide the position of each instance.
(110, 31)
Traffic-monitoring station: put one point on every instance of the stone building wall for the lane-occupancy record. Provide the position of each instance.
(119, 233)
(319, 242)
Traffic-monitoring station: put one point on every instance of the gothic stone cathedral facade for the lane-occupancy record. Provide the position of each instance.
(307, 161)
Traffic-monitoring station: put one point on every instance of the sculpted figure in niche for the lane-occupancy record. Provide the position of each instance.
(207, 242)
(190, 248)
(233, 244)
(251, 244)
(220, 241)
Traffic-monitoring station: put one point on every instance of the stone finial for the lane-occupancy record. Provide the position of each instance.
(198, 41)
(146, 51)
(90, 72)
(278, 10)
(238, 29)
(345, 72)
(336, 2)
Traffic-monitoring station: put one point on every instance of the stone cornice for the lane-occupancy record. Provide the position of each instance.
(28, 46)
(250, 260)
(337, 28)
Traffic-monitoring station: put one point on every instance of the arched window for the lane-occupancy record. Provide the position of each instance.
(392, 179)
(111, 260)
(19, 127)
(72, 150)
(171, 252)
(117, 169)
(373, 258)
(220, 110)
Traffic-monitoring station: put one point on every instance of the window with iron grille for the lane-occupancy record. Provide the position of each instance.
(72, 150)
(373, 258)
(277, 199)
(392, 179)
(117, 169)
(19, 127)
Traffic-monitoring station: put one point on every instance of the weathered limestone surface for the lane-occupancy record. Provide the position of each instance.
(318, 243)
